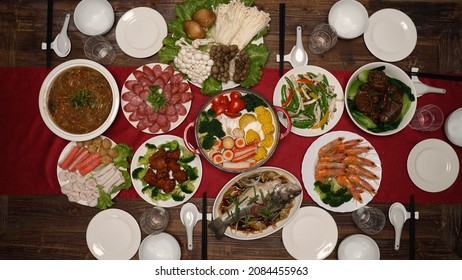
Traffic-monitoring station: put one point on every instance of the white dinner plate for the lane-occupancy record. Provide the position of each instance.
(433, 165)
(123, 102)
(216, 212)
(311, 158)
(157, 140)
(311, 235)
(391, 35)
(140, 32)
(63, 154)
(332, 82)
(113, 234)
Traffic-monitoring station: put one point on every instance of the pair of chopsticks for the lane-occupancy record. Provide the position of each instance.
(435, 76)
(204, 227)
(412, 229)
(282, 32)
(49, 31)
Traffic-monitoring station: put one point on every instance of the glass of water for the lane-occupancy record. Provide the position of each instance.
(322, 38)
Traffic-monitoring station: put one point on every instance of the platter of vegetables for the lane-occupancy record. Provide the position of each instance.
(313, 97)
(93, 172)
(237, 130)
(381, 98)
(217, 44)
(164, 172)
(341, 171)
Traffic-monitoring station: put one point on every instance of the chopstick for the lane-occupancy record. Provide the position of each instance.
(49, 31)
(435, 76)
(412, 230)
(282, 32)
(204, 226)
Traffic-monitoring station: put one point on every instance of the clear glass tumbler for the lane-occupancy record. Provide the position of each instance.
(427, 118)
(154, 220)
(371, 220)
(99, 49)
(322, 38)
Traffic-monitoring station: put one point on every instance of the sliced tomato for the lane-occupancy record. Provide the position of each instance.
(231, 114)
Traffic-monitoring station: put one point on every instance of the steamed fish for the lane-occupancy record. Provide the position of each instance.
(256, 202)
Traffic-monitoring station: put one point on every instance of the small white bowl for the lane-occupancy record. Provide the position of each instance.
(162, 246)
(358, 247)
(349, 18)
(94, 17)
(453, 127)
(392, 71)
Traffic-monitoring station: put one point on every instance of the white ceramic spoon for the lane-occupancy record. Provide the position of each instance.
(189, 216)
(297, 56)
(422, 88)
(62, 44)
(398, 216)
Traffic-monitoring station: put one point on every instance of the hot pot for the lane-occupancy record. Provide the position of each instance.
(237, 130)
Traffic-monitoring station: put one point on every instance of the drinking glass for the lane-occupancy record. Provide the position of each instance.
(371, 220)
(427, 118)
(154, 220)
(322, 38)
(99, 49)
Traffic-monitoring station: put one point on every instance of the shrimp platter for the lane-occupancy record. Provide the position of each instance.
(346, 171)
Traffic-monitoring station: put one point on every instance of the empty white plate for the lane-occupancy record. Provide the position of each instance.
(140, 31)
(113, 234)
(433, 165)
(390, 35)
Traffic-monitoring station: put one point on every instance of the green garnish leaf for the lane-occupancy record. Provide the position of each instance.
(81, 98)
(156, 99)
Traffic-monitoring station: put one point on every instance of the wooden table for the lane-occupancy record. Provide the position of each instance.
(49, 227)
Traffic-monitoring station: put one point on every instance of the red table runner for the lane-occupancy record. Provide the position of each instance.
(29, 150)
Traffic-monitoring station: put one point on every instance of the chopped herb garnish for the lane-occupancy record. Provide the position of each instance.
(82, 98)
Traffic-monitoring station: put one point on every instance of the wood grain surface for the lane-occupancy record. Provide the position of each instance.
(50, 227)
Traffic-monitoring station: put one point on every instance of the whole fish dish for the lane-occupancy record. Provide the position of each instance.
(256, 204)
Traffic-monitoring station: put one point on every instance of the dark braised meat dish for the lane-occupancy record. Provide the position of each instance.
(165, 172)
(379, 100)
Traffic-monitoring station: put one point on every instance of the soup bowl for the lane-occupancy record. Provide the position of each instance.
(237, 130)
(79, 100)
(395, 76)
(94, 17)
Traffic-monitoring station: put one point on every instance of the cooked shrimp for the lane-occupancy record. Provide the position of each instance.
(361, 171)
(330, 165)
(338, 157)
(345, 182)
(326, 149)
(323, 174)
(361, 183)
(357, 160)
(349, 144)
(358, 150)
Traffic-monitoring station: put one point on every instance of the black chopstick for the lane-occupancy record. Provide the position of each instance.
(435, 76)
(49, 31)
(282, 32)
(412, 229)
(204, 226)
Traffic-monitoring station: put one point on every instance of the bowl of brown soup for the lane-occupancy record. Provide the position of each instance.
(79, 100)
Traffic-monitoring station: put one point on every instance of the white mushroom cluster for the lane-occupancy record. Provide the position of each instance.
(196, 64)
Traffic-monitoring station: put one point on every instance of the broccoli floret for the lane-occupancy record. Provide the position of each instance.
(139, 173)
(210, 128)
(186, 155)
(150, 150)
(156, 193)
(178, 195)
(332, 193)
(193, 172)
(187, 187)
(172, 145)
